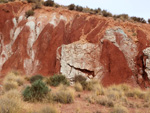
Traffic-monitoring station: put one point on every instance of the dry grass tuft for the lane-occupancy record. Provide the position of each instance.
(64, 94)
(137, 93)
(78, 87)
(105, 101)
(12, 81)
(48, 109)
(120, 109)
(11, 102)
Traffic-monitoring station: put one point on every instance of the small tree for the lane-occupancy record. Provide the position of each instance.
(71, 7)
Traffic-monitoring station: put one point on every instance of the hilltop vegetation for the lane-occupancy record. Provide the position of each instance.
(37, 4)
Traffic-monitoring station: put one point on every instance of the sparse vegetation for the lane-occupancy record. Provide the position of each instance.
(57, 80)
(36, 92)
(29, 13)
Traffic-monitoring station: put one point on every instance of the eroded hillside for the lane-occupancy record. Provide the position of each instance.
(57, 40)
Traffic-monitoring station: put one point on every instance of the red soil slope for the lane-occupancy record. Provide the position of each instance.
(30, 44)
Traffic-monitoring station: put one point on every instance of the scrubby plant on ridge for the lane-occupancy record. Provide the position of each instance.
(71, 7)
(58, 79)
(29, 13)
(49, 3)
(36, 92)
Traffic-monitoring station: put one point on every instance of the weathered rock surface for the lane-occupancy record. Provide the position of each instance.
(57, 40)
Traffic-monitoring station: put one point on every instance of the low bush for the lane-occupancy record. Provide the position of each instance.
(36, 92)
(120, 109)
(71, 7)
(49, 3)
(56, 80)
(29, 13)
(36, 77)
(78, 87)
(64, 95)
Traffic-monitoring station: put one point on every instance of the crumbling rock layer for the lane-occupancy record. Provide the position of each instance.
(56, 40)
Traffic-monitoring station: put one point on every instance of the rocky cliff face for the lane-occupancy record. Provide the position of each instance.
(57, 40)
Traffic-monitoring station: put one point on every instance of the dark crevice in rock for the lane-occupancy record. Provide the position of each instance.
(88, 72)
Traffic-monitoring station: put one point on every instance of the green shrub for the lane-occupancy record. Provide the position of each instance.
(79, 8)
(29, 13)
(58, 79)
(71, 7)
(49, 3)
(36, 92)
(36, 77)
